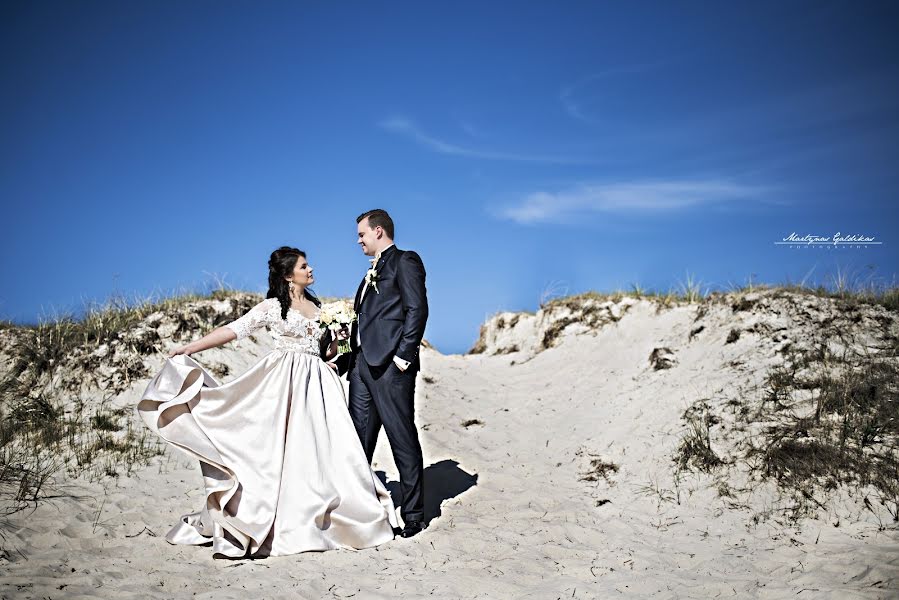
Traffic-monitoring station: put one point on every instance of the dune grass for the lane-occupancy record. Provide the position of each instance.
(848, 437)
(847, 434)
(583, 307)
(823, 419)
(852, 288)
(695, 450)
(45, 425)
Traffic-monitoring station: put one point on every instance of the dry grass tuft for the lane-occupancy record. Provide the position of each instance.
(848, 434)
(600, 469)
(695, 449)
(480, 346)
(826, 418)
(45, 425)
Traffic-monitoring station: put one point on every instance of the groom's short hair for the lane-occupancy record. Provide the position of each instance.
(378, 218)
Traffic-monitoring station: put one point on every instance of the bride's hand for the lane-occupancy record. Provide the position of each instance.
(343, 334)
(181, 350)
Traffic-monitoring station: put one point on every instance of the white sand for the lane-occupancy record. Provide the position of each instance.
(515, 519)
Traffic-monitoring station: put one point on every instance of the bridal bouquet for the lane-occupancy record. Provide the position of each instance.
(335, 316)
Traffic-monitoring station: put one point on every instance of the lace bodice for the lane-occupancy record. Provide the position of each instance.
(297, 333)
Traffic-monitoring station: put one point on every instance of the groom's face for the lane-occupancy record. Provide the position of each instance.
(368, 238)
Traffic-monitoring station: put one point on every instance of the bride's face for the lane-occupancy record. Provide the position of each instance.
(302, 273)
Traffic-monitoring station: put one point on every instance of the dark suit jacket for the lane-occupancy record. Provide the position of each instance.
(391, 321)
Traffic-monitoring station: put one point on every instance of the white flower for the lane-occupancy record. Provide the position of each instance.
(336, 315)
(371, 278)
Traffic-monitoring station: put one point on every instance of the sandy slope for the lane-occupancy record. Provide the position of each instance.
(511, 516)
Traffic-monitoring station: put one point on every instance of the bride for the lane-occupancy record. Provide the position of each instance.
(283, 469)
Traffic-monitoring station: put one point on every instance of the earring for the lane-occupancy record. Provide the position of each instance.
(290, 286)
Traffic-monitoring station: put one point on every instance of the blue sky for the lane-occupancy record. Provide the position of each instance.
(522, 148)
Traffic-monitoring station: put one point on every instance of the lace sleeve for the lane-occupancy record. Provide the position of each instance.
(250, 322)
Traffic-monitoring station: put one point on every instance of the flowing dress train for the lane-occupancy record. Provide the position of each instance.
(283, 468)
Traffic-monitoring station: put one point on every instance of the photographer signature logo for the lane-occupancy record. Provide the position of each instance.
(836, 240)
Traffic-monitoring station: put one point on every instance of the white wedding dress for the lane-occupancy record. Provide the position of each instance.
(282, 465)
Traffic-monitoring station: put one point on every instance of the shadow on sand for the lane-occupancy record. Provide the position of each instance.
(443, 480)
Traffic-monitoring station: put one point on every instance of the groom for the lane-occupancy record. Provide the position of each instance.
(392, 308)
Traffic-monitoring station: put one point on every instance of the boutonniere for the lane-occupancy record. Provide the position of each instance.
(371, 277)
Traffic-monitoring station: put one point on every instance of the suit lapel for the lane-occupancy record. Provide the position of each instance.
(378, 265)
(358, 293)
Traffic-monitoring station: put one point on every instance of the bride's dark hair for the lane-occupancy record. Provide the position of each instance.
(280, 265)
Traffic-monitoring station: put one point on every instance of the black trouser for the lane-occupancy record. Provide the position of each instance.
(385, 396)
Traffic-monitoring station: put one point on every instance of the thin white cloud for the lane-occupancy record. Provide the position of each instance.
(573, 96)
(407, 128)
(783, 118)
(568, 206)
(470, 129)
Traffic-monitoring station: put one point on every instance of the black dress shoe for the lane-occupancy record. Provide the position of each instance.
(412, 528)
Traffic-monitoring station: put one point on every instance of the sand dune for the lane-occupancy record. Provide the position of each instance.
(508, 437)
